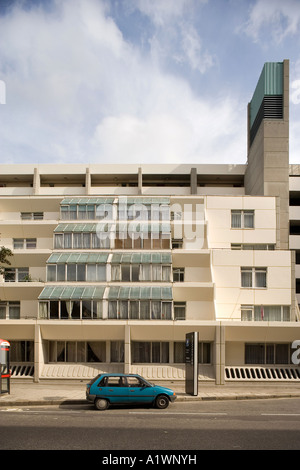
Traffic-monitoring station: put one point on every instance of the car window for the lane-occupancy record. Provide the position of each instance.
(112, 381)
(134, 382)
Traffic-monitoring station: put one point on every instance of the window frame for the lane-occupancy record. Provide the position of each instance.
(253, 271)
(261, 313)
(178, 274)
(243, 214)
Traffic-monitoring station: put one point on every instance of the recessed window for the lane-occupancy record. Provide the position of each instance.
(265, 313)
(242, 219)
(177, 243)
(254, 277)
(16, 274)
(150, 352)
(179, 310)
(24, 243)
(32, 215)
(178, 274)
(9, 310)
(267, 353)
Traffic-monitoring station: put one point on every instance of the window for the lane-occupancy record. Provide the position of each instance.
(179, 310)
(178, 274)
(87, 240)
(242, 219)
(139, 310)
(117, 351)
(86, 211)
(71, 309)
(176, 215)
(76, 272)
(247, 313)
(16, 274)
(77, 351)
(150, 352)
(24, 243)
(9, 310)
(32, 215)
(268, 353)
(21, 351)
(144, 241)
(254, 277)
(177, 243)
(265, 313)
(141, 272)
(254, 246)
(204, 353)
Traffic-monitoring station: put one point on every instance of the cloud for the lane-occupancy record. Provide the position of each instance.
(181, 129)
(163, 13)
(273, 17)
(295, 92)
(174, 36)
(77, 91)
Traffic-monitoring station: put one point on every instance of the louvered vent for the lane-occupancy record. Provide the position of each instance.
(271, 108)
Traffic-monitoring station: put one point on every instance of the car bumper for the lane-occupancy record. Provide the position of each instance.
(90, 397)
(172, 398)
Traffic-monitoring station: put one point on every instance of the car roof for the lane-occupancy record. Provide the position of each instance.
(115, 374)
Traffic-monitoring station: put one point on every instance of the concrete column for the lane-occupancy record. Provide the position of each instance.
(140, 181)
(220, 354)
(88, 181)
(38, 353)
(293, 285)
(127, 350)
(193, 183)
(36, 182)
(107, 350)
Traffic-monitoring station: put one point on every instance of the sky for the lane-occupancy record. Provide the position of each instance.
(139, 81)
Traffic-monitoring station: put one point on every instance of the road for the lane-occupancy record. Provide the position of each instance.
(217, 425)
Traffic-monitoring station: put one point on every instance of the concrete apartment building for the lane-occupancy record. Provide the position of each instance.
(114, 264)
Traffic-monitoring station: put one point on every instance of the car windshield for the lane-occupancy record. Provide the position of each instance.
(146, 382)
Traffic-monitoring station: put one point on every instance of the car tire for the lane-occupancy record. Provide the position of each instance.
(101, 404)
(162, 402)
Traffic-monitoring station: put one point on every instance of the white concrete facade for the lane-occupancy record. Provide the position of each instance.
(224, 276)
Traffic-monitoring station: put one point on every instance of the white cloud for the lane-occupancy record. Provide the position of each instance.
(76, 91)
(283, 18)
(175, 37)
(162, 13)
(295, 92)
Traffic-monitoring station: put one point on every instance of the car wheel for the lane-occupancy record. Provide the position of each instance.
(162, 402)
(101, 404)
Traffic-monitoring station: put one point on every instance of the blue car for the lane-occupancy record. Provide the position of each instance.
(114, 389)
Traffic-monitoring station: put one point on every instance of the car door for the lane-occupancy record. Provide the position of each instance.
(114, 388)
(139, 391)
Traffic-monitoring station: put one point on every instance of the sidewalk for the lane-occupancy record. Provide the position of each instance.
(66, 392)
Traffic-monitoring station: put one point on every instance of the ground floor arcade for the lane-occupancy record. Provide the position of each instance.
(228, 351)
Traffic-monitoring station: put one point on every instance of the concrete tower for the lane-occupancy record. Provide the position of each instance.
(268, 143)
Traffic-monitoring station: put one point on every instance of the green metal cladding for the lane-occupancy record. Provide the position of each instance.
(270, 83)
